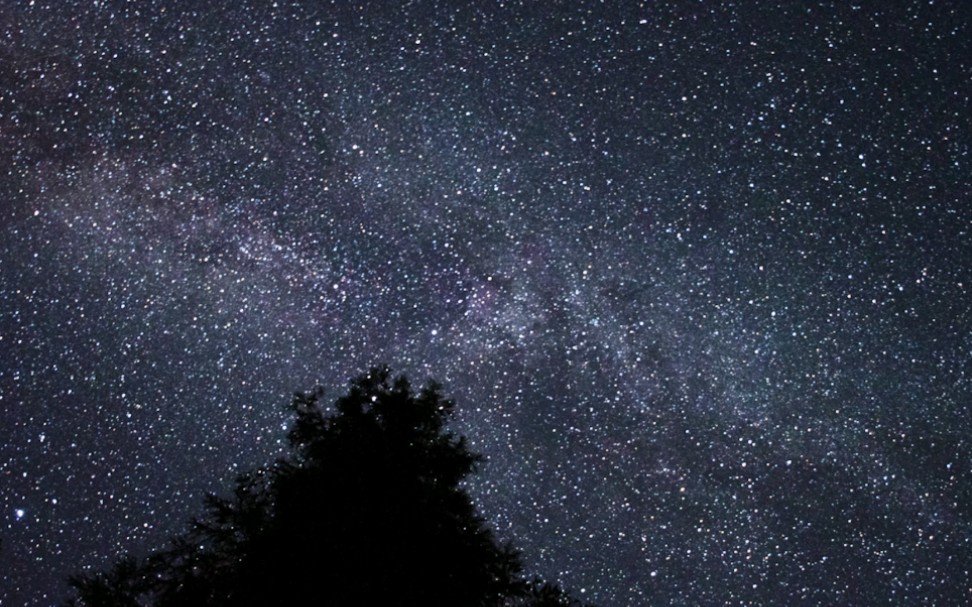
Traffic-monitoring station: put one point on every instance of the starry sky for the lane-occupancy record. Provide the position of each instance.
(696, 273)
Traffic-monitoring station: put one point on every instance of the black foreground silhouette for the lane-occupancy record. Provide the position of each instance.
(366, 510)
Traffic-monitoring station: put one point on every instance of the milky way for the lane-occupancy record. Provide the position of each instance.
(696, 274)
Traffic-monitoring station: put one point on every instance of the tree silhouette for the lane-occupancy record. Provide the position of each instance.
(366, 510)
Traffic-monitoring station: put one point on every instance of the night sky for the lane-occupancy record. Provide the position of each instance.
(697, 274)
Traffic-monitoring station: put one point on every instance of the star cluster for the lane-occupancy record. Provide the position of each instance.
(697, 275)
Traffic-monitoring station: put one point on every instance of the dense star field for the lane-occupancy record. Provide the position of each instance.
(697, 275)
